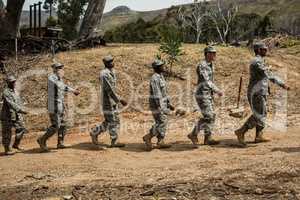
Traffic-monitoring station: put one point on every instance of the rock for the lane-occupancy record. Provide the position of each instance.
(67, 197)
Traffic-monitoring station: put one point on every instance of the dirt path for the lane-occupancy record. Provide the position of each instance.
(269, 170)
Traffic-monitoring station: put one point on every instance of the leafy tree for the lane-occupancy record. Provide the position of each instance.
(69, 13)
(170, 45)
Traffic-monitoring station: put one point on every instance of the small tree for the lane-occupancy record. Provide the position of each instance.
(170, 45)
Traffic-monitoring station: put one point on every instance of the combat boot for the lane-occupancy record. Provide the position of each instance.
(240, 133)
(209, 141)
(259, 135)
(194, 139)
(16, 144)
(115, 144)
(8, 151)
(94, 137)
(60, 144)
(162, 145)
(18, 138)
(42, 143)
(147, 139)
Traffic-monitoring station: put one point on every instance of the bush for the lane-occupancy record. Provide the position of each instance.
(51, 21)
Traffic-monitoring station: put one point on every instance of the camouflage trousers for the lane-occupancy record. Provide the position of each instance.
(58, 124)
(111, 123)
(258, 104)
(7, 131)
(160, 126)
(206, 122)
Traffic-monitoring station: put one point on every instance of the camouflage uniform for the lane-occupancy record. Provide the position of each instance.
(159, 104)
(258, 90)
(56, 108)
(110, 102)
(204, 97)
(11, 117)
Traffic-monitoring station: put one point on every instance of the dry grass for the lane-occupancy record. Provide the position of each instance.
(133, 62)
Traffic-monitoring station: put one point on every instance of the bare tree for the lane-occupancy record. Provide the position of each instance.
(10, 19)
(92, 17)
(222, 16)
(194, 18)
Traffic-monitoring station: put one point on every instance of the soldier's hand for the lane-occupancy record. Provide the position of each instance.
(220, 93)
(23, 112)
(286, 87)
(123, 102)
(172, 107)
(76, 92)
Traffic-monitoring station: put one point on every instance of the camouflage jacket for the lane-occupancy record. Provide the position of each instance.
(56, 94)
(206, 86)
(108, 82)
(260, 76)
(159, 98)
(12, 105)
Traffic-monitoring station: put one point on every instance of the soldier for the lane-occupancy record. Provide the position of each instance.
(258, 90)
(110, 101)
(160, 106)
(11, 116)
(56, 108)
(206, 88)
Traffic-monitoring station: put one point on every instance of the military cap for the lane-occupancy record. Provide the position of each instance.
(158, 63)
(11, 79)
(108, 59)
(58, 66)
(210, 49)
(260, 45)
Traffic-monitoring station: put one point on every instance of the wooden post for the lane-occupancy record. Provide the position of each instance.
(16, 48)
(30, 19)
(40, 18)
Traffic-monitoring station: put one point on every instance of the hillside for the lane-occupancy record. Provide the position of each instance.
(123, 15)
(285, 13)
(83, 171)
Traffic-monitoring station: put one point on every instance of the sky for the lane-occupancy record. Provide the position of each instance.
(139, 5)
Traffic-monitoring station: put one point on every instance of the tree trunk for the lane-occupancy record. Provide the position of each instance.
(10, 19)
(92, 17)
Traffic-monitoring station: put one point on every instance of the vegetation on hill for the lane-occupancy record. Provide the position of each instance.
(254, 19)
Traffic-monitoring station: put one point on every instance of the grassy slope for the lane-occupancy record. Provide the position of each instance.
(85, 66)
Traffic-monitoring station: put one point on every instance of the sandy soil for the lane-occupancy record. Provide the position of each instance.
(261, 171)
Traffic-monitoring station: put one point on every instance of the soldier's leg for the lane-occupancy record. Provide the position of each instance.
(6, 137)
(98, 129)
(161, 128)
(62, 129)
(114, 129)
(260, 116)
(193, 136)
(209, 117)
(42, 141)
(20, 132)
(152, 132)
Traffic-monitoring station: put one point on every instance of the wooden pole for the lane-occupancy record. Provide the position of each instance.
(16, 48)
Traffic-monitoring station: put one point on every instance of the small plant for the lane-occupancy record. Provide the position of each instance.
(170, 45)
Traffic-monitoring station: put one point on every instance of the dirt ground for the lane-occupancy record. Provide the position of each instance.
(82, 171)
(262, 171)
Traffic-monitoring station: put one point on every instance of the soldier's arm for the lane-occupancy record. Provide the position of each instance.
(266, 72)
(203, 73)
(155, 86)
(12, 102)
(108, 88)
